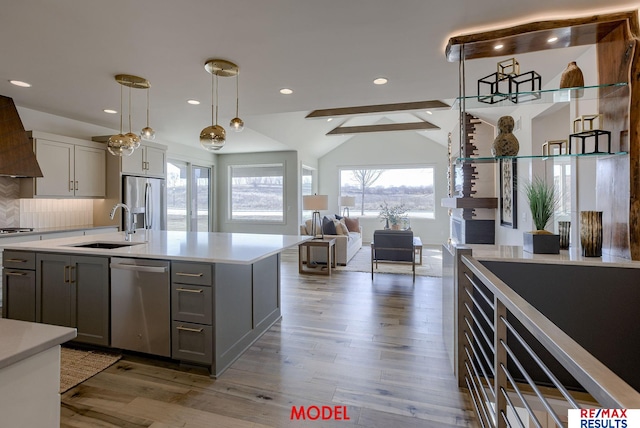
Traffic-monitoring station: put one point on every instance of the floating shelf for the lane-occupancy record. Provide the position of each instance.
(490, 159)
(469, 202)
(543, 96)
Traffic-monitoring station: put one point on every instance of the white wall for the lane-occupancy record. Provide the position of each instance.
(386, 149)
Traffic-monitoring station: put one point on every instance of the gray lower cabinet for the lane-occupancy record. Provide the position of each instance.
(74, 292)
(19, 279)
(219, 310)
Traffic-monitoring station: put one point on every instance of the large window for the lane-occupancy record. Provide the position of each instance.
(188, 197)
(307, 179)
(413, 187)
(257, 193)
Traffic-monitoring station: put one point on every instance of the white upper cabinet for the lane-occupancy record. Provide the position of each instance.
(70, 168)
(148, 159)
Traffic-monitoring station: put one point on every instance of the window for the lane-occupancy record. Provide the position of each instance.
(412, 187)
(307, 186)
(257, 193)
(562, 182)
(188, 197)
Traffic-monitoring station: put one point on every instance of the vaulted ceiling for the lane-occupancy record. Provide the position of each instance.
(328, 52)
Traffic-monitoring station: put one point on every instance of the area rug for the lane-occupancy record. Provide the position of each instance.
(76, 365)
(361, 262)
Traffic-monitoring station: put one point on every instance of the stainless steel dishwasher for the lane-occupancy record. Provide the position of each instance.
(140, 305)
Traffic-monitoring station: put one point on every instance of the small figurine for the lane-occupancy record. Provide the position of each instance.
(505, 144)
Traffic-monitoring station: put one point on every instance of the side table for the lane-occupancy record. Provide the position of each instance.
(329, 244)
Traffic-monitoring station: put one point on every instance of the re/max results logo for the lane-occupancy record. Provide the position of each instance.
(604, 418)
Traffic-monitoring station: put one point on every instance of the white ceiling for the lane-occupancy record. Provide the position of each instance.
(327, 51)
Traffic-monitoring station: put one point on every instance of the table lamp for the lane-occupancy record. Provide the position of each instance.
(347, 202)
(315, 203)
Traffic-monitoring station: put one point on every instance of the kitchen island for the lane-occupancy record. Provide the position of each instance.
(30, 373)
(199, 298)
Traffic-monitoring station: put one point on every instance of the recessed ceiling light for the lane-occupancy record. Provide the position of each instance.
(429, 112)
(193, 102)
(380, 81)
(110, 111)
(330, 119)
(20, 83)
(498, 47)
(286, 91)
(552, 39)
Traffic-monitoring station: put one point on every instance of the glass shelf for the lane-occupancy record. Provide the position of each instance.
(543, 96)
(491, 159)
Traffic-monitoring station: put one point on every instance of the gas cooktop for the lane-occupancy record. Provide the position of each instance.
(15, 229)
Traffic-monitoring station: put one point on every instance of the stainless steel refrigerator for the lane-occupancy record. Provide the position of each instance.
(146, 198)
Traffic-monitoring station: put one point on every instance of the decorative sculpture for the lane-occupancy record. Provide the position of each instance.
(505, 143)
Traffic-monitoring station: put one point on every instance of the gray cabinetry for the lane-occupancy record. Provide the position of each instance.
(19, 281)
(192, 312)
(74, 292)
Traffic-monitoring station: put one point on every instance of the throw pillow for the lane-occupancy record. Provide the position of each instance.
(338, 217)
(328, 228)
(353, 224)
(342, 228)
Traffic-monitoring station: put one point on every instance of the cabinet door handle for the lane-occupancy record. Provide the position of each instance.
(16, 273)
(71, 186)
(193, 330)
(71, 279)
(64, 273)
(16, 260)
(194, 275)
(189, 290)
(76, 188)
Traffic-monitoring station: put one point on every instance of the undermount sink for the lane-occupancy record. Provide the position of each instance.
(106, 245)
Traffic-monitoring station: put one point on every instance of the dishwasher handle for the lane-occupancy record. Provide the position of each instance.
(139, 268)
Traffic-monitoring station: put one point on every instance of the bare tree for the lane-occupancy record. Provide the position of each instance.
(365, 178)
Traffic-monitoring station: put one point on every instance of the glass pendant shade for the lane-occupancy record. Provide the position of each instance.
(124, 144)
(236, 124)
(213, 137)
(132, 139)
(118, 145)
(147, 132)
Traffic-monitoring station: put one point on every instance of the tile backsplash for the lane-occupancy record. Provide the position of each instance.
(40, 213)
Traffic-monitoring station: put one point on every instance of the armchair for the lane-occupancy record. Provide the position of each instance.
(394, 246)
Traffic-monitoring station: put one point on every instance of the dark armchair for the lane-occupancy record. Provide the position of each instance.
(395, 246)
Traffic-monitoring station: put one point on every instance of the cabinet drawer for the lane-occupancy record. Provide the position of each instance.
(19, 259)
(191, 303)
(191, 273)
(20, 294)
(192, 342)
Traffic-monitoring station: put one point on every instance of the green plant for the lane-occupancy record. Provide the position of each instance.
(543, 201)
(394, 213)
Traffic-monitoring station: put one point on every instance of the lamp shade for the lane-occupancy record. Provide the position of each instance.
(315, 202)
(347, 201)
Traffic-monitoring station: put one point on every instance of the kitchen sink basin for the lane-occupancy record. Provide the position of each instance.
(106, 245)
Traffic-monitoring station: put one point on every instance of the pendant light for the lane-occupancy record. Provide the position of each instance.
(147, 132)
(214, 137)
(125, 144)
(236, 123)
(118, 145)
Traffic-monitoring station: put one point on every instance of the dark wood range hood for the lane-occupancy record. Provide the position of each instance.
(17, 158)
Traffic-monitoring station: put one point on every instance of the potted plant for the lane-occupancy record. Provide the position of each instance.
(543, 202)
(394, 215)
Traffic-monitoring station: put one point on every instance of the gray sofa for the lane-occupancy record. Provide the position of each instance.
(346, 247)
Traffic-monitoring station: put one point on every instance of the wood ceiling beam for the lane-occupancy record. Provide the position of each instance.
(409, 126)
(380, 108)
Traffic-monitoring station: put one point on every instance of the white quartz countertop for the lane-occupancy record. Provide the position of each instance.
(20, 339)
(240, 248)
(58, 229)
(514, 253)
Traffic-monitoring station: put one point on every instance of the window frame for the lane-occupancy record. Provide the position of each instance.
(230, 218)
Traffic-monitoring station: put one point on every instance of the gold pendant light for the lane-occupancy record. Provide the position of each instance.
(236, 123)
(125, 144)
(147, 132)
(213, 137)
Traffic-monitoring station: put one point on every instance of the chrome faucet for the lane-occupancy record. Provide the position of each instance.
(130, 226)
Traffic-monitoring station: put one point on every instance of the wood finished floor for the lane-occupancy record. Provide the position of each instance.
(375, 348)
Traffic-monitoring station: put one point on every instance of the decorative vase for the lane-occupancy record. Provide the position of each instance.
(505, 143)
(572, 78)
(386, 226)
(564, 228)
(591, 233)
(395, 226)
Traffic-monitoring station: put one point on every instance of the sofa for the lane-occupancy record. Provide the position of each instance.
(348, 242)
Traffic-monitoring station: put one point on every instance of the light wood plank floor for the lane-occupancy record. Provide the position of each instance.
(375, 348)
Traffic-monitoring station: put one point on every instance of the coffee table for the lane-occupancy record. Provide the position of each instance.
(417, 247)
